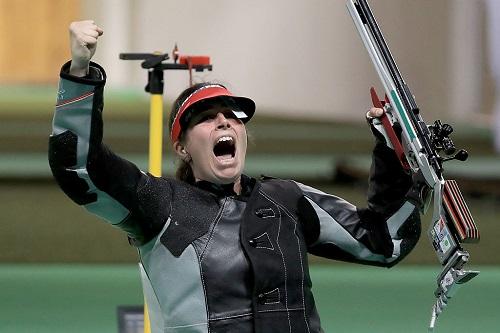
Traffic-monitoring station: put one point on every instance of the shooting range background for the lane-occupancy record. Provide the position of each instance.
(305, 66)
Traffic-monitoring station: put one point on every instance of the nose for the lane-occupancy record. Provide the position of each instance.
(222, 121)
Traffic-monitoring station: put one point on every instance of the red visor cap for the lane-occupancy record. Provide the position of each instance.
(243, 107)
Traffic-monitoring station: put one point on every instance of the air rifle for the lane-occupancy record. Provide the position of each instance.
(421, 149)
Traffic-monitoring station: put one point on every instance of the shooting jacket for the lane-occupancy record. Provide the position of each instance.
(215, 261)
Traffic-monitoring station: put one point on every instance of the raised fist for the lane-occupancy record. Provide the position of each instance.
(83, 38)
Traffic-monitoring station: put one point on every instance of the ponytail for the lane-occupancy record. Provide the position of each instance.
(185, 173)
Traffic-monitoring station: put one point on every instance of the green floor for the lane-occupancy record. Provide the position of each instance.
(83, 298)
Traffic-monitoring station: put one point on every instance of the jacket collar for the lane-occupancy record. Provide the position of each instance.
(227, 190)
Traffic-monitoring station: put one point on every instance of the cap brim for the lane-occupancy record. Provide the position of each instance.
(243, 107)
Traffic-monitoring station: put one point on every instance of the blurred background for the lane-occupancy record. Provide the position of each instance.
(304, 64)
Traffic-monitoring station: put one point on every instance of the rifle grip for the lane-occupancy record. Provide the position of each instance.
(396, 143)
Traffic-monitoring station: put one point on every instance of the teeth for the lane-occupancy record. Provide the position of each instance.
(225, 138)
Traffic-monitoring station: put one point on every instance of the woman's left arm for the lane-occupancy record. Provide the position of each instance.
(381, 234)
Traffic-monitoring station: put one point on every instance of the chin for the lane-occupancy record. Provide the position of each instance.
(226, 174)
(228, 178)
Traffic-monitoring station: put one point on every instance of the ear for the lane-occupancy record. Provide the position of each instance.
(180, 150)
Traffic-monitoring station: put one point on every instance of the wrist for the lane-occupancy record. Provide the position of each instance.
(79, 70)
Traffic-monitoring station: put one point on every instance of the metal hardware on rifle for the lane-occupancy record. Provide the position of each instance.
(418, 151)
(461, 155)
(448, 282)
(440, 139)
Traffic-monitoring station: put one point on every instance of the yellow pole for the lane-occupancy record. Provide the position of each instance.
(147, 325)
(155, 157)
(155, 134)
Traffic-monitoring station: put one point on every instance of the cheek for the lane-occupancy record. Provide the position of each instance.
(244, 137)
(196, 138)
(198, 149)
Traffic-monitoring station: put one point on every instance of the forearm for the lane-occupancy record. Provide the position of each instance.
(79, 161)
(79, 70)
(85, 169)
(390, 198)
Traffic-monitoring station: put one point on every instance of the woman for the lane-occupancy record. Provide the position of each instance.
(221, 251)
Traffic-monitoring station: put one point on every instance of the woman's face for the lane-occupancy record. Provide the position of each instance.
(217, 143)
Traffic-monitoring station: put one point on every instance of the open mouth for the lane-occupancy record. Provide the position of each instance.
(225, 148)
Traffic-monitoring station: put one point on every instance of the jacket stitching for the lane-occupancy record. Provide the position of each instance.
(272, 291)
(233, 316)
(201, 256)
(300, 254)
(276, 302)
(210, 237)
(279, 205)
(204, 290)
(284, 264)
(302, 276)
(265, 247)
(279, 310)
(262, 213)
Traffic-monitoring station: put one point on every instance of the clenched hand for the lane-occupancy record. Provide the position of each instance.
(83, 37)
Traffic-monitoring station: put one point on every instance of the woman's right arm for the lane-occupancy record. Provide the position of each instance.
(85, 169)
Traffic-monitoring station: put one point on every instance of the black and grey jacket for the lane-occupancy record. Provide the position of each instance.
(214, 261)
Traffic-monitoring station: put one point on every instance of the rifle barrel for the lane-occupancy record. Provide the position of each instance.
(402, 88)
(386, 53)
